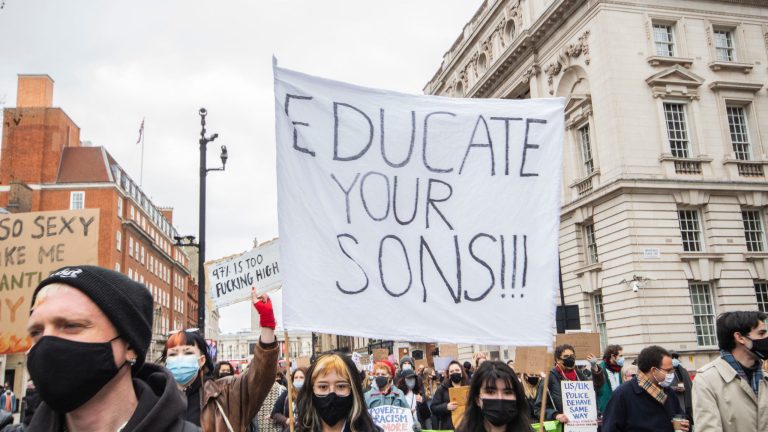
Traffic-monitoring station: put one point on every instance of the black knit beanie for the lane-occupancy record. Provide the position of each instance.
(126, 303)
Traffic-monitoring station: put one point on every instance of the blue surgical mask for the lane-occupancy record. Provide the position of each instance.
(620, 362)
(184, 368)
(298, 384)
(675, 362)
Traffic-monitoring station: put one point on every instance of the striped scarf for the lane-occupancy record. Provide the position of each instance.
(652, 389)
(757, 376)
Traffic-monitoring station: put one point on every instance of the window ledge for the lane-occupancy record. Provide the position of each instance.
(735, 66)
(700, 158)
(589, 268)
(750, 87)
(668, 61)
(753, 256)
(691, 256)
(729, 160)
(576, 182)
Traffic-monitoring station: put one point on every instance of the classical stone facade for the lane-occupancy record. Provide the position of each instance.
(664, 192)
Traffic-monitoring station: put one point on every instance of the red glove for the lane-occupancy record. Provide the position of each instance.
(266, 313)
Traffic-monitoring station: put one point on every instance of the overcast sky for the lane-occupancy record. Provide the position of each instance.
(115, 62)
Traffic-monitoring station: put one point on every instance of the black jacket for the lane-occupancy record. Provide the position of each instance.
(554, 398)
(632, 409)
(31, 402)
(440, 411)
(686, 400)
(161, 406)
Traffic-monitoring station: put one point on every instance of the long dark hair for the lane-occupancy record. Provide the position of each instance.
(358, 418)
(488, 373)
(464, 377)
(417, 389)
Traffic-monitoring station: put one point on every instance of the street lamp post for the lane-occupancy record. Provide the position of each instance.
(204, 140)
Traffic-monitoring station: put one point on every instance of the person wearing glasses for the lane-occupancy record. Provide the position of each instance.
(230, 403)
(331, 399)
(647, 403)
(383, 392)
(565, 369)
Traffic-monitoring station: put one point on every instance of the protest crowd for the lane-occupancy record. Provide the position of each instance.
(89, 372)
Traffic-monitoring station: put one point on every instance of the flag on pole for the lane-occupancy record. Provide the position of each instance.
(141, 131)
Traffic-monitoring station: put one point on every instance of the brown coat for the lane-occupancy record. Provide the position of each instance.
(240, 396)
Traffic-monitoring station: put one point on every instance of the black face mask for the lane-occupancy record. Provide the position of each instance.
(381, 382)
(456, 378)
(569, 362)
(68, 373)
(532, 380)
(760, 348)
(225, 374)
(499, 412)
(332, 408)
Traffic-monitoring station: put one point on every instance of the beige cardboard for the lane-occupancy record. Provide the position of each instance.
(459, 395)
(531, 360)
(32, 245)
(583, 343)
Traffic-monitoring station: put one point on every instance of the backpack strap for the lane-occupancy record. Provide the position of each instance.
(224, 415)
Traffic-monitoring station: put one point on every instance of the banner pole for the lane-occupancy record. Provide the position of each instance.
(289, 399)
(543, 412)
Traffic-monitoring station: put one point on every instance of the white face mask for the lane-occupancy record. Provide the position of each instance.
(410, 383)
(406, 366)
(298, 384)
(668, 378)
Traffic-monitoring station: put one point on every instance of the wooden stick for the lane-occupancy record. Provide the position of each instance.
(544, 395)
(289, 399)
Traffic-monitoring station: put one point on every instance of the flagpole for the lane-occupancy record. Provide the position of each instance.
(141, 176)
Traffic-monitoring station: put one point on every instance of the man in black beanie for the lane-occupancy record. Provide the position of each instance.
(91, 328)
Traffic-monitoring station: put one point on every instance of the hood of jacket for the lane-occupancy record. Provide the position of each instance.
(161, 406)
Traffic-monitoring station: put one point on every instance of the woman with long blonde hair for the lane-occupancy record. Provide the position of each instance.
(331, 399)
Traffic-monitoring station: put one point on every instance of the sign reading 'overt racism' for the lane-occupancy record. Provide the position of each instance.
(32, 245)
(445, 211)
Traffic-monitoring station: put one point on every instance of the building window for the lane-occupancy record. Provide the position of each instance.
(703, 313)
(737, 124)
(597, 300)
(761, 292)
(142, 255)
(586, 150)
(120, 207)
(130, 246)
(724, 49)
(753, 230)
(117, 267)
(590, 243)
(664, 40)
(76, 200)
(130, 274)
(690, 230)
(119, 240)
(677, 129)
(132, 213)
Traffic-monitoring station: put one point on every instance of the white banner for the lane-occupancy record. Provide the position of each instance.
(231, 278)
(417, 218)
(392, 418)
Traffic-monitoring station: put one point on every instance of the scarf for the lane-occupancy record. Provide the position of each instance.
(656, 392)
(8, 402)
(614, 368)
(756, 377)
(569, 375)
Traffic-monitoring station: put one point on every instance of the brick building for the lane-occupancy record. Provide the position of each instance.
(45, 166)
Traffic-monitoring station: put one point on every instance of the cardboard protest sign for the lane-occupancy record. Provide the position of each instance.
(32, 246)
(365, 359)
(419, 363)
(583, 343)
(531, 360)
(441, 209)
(303, 361)
(392, 418)
(449, 350)
(459, 396)
(380, 354)
(231, 278)
(579, 405)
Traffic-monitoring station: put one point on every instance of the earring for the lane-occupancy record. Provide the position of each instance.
(132, 362)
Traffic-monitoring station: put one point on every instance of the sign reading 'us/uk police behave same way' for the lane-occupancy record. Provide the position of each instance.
(445, 211)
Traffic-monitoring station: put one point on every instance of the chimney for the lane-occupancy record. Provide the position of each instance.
(34, 91)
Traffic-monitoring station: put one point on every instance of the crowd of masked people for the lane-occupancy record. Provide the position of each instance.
(91, 329)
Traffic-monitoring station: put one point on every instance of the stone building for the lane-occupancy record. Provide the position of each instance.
(664, 192)
(44, 166)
